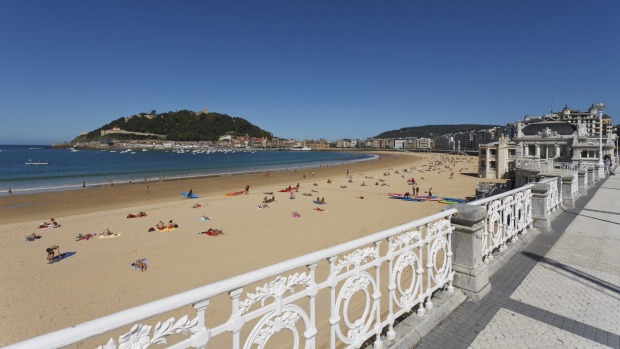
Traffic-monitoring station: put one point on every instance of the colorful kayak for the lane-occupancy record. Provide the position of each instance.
(189, 196)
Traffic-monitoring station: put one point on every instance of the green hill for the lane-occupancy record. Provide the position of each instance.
(432, 130)
(183, 125)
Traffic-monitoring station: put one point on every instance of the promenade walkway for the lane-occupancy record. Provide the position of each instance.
(561, 291)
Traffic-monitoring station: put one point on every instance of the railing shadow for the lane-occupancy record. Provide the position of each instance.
(597, 281)
(599, 219)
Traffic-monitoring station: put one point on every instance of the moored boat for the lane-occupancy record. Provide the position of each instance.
(30, 162)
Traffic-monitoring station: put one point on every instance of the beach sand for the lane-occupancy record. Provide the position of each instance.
(37, 297)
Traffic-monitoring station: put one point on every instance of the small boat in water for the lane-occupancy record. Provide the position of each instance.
(30, 162)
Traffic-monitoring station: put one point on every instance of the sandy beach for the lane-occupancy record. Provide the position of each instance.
(37, 297)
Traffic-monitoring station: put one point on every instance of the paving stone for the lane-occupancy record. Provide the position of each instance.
(532, 334)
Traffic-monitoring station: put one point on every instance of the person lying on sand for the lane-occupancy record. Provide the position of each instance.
(106, 232)
(140, 264)
(81, 236)
(196, 205)
(51, 252)
(213, 232)
(32, 237)
(319, 209)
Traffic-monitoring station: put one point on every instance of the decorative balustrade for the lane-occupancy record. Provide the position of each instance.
(341, 296)
(555, 193)
(572, 166)
(574, 186)
(508, 215)
(539, 164)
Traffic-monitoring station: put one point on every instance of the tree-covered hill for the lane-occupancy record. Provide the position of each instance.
(432, 130)
(183, 125)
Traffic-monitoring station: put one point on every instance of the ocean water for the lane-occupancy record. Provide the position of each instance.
(71, 170)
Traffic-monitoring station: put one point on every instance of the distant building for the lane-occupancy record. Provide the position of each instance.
(497, 159)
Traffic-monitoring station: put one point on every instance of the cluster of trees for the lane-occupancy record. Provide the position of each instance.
(432, 130)
(183, 125)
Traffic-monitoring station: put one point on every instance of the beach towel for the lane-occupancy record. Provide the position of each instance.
(235, 193)
(61, 257)
(49, 226)
(114, 235)
(262, 206)
(205, 218)
(296, 214)
(167, 229)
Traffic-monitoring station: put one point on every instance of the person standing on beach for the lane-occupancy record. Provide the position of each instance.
(10, 191)
(147, 189)
(247, 189)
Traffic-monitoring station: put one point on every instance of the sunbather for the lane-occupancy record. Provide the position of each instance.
(32, 237)
(213, 232)
(160, 225)
(106, 232)
(140, 264)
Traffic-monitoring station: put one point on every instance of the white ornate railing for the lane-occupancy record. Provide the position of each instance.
(341, 308)
(508, 214)
(539, 164)
(574, 186)
(555, 193)
(573, 166)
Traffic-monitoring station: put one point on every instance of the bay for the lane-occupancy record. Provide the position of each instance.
(69, 169)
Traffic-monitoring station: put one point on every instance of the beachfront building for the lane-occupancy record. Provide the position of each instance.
(497, 159)
(444, 142)
(556, 144)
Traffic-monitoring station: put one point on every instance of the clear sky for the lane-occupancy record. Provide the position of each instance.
(303, 69)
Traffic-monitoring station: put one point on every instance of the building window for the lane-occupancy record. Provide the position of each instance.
(492, 152)
(492, 165)
(512, 152)
(531, 150)
(483, 165)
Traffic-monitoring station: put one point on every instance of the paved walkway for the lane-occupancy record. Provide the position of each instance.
(561, 291)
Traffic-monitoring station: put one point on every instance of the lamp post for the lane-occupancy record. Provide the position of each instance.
(601, 167)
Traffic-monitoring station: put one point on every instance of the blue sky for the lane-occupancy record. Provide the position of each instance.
(302, 69)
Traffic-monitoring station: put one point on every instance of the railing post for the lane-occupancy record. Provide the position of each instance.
(583, 181)
(471, 274)
(567, 196)
(590, 176)
(540, 214)
(597, 173)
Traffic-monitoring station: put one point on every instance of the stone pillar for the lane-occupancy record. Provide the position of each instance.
(583, 181)
(567, 196)
(599, 172)
(537, 151)
(557, 151)
(471, 274)
(540, 216)
(590, 176)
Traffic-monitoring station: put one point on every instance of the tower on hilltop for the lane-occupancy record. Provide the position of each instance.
(204, 109)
